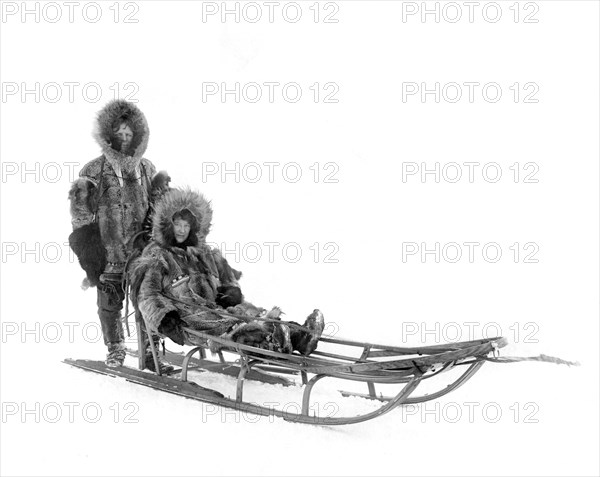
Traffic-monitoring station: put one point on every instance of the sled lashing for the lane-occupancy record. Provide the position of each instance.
(370, 364)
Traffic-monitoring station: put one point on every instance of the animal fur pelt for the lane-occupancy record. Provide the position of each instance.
(160, 186)
(87, 246)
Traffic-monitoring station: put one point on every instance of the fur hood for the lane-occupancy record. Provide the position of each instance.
(177, 200)
(125, 111)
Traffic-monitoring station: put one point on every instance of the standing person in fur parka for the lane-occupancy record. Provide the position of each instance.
(180, 281)
(109, 202)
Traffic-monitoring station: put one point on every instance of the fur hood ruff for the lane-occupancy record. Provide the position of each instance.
(122, 110)
(177, 200)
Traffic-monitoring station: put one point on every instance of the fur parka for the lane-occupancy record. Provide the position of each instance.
(187, 278)
(123, 201)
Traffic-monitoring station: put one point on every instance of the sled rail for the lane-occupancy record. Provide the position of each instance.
(425, 356)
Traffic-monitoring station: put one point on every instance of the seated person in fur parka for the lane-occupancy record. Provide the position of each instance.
(179, 281)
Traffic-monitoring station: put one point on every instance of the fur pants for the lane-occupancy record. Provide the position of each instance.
(110, 304)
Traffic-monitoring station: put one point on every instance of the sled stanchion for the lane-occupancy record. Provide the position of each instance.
(186, 361)
(152, 349)
(239, 388)
(140, 342)
(307, 391)
(363, 358)
(365, 353)
(245, 365)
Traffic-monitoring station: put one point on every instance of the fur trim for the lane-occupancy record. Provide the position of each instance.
(121, 109)
(175, 201)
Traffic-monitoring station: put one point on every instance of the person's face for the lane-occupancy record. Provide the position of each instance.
(124, 136)
(182, 230)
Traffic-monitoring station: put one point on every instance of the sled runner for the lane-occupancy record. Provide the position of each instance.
(369, 363)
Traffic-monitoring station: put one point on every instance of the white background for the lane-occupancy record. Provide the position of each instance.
(370, 293)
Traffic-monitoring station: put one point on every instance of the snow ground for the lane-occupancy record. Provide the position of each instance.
(540, 415)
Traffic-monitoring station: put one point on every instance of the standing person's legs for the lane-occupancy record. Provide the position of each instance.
(110, 304)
